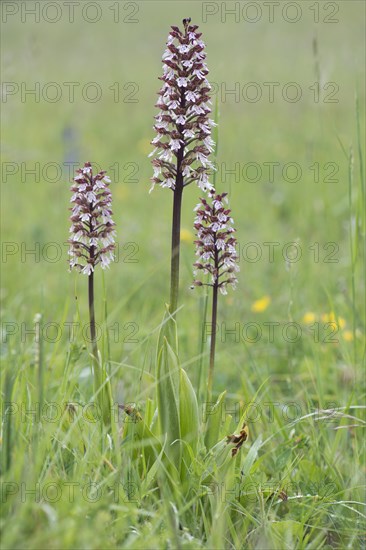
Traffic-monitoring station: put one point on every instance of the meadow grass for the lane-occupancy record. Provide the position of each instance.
(298, 481)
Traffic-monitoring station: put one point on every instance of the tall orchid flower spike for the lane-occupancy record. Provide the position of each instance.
(183, 139)
(183, 142)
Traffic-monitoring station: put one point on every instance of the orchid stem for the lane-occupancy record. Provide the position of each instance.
(215, 289)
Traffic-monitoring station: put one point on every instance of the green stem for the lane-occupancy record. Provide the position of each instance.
(102, 394)
(177, 207)
(202, 345)
(215, 289)
(92, 316)
(175, 253)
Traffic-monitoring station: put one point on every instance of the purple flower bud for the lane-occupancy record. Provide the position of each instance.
(92, 228)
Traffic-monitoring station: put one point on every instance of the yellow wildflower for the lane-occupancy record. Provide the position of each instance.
(332, 318)
(341, 322)
(186, 236)
(328, 317)
(261, 304)
(348, 335)
(309, 318)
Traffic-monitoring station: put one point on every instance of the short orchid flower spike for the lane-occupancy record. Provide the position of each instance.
(216, 244)
(92, 243)
(216, 249)
(92, 228)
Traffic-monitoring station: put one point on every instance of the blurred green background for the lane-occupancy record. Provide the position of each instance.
(125, 47)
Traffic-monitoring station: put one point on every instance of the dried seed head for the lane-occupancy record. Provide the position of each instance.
(92, 228)
(183, 142)
(215, 244)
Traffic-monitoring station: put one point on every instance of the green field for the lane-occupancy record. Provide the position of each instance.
(289, 91)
